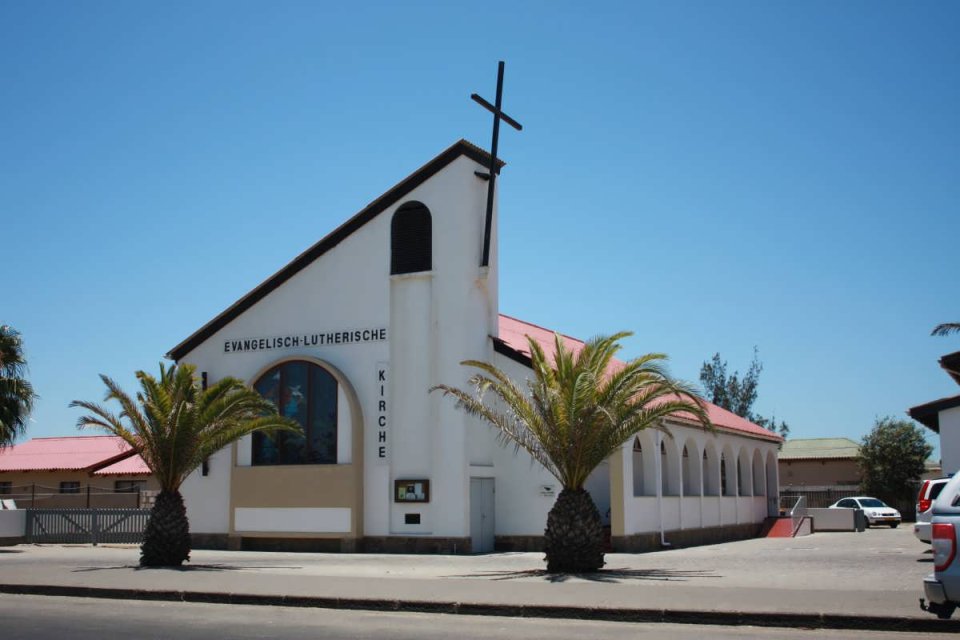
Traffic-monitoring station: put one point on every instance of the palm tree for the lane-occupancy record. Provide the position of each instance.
(175, 425)
(16, 393)
(577, 410)
(946, 329)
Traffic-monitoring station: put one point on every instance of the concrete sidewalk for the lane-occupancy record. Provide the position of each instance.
(870, 580)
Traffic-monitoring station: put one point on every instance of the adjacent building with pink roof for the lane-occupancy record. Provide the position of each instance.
(73, 471)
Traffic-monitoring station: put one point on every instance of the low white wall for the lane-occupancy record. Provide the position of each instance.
(13, 523)
(728, 510)
(711, 511)
(690, 515)
(832, 519)
(693, 513)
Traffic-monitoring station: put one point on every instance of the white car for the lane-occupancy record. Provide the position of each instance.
(876, 511)
(929, 491)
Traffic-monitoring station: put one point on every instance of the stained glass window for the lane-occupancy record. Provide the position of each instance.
(308, 394)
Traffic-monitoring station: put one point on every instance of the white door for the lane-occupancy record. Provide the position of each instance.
(481, 514)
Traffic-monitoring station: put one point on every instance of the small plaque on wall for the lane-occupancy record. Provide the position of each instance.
(411, 491)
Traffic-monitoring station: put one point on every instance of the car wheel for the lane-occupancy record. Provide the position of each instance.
(894, 525)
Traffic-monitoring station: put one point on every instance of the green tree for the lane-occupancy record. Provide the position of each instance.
(576, 411)
(737, 394)
(175, 425)
(946, 329)
(892, 458)
(16, 392)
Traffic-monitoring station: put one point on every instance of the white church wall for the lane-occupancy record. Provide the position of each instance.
(208, 497)
(525, 490)
(710, 510)
(670, 513)
(410, 409)
(728, 510)
(320, 299)
(690, 513)
(950, 440)
(457, 326)
(465, 318)
(598, 486)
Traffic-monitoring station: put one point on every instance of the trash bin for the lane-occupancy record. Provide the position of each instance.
(859, 520)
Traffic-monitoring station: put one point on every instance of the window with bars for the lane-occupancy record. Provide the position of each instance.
(129, 486)
(70, 487)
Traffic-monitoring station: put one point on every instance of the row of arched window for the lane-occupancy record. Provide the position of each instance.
(692, 471)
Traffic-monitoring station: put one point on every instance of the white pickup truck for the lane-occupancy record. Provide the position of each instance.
(942, 587)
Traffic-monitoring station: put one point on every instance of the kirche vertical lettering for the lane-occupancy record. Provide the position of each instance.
(383, 440)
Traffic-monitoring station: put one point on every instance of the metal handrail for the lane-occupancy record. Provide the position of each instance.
(796, 508)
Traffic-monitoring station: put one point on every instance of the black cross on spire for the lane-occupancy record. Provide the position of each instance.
(492, 177)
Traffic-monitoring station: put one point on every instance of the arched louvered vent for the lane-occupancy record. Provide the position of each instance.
(411, 239)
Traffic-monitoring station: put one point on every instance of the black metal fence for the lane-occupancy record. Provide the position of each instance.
(38, 496)
(86, 526)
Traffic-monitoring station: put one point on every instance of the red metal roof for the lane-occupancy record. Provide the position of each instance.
(71, 453)
(132, 466)
(513, 332)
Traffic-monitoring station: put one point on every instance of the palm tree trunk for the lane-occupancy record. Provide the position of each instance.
(574, 534)
(166, 541)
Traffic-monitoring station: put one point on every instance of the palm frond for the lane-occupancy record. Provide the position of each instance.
(946, 329)
(174, 424)
(578, 407)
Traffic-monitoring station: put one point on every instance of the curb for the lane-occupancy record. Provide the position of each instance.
(673, 616)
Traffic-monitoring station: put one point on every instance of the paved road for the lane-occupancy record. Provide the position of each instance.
(825, 579)
(43, 617)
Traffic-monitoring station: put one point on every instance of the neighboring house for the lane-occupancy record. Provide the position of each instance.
(74, 472)
(819, 464)
(932, 470)
(943, 417)
(349, 337)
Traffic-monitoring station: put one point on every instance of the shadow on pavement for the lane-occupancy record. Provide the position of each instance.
(604, 575)
(188, 567)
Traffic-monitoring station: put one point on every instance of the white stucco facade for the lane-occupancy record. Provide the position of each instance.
(387, 338)
(950, 440)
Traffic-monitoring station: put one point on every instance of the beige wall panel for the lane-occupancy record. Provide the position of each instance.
(817, 473)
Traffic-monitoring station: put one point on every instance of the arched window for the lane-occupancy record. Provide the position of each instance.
(723, 476)
(411, 239)
(664, 476)
(637, 468)
(308, 394)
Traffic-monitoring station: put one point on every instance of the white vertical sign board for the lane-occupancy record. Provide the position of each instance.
(382, 440)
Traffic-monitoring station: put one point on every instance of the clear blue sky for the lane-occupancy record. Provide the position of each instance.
(710, 175)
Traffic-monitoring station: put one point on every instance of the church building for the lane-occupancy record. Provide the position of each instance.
(349, 337)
